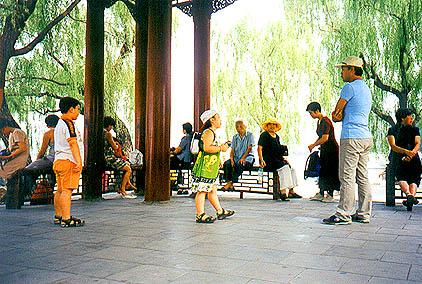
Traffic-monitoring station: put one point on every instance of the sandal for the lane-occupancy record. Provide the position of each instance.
(57, 220)
(72, 222)
(224, 214)
(207, 219)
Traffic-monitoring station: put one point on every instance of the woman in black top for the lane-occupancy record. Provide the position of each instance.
(270, 153)
(405, 140)
(328, 175)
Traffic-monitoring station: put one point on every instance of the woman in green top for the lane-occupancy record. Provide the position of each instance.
(206, 167)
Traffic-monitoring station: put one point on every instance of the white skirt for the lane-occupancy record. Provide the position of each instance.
(287, 177)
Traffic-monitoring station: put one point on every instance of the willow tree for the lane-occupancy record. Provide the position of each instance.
(53, 62)
(387, 34)
(271, 71)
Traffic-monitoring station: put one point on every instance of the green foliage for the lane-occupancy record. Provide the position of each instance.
(269, 72)
(60, 57)
(379, 30)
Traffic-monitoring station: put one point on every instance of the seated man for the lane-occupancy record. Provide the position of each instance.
(17, 155)
(241, 155)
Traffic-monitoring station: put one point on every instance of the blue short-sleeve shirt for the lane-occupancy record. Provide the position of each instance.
(240, 146)
(185, 154)
(356, 111)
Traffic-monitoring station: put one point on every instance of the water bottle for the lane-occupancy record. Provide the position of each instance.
(260, 174)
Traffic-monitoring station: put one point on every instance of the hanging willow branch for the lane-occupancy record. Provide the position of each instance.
(38, 78)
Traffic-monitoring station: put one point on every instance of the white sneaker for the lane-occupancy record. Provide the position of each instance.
(130, 196)
(328, 199)
(317, 197)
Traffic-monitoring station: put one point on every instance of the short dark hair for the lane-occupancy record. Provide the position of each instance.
(109, 121)
(51, 120)
(314, 106)
(402, 113)
(187, 127)
(358, 70)
(66, 103)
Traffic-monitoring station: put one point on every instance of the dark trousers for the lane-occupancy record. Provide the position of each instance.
(232, 173)
(176, 164)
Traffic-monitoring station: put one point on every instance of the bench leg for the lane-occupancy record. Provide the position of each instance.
(13, 198)
(390, 190)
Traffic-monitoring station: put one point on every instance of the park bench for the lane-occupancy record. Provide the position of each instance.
(17, 192)
(392, 190)
(249, 183)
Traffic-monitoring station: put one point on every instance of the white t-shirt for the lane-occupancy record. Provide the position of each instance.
(65, 131)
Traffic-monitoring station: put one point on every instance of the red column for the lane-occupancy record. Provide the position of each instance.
(141, 44)
(94, 100)
(157, 139)
(201, 10)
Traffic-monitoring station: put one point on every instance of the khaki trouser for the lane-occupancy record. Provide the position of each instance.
(353, 167)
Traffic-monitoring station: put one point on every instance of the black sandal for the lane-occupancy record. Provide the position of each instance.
(224, 214)
(72, 222)
(57, 220)
(208, 219)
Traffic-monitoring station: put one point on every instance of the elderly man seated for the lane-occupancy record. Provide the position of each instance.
(15, 157)
(241, 155)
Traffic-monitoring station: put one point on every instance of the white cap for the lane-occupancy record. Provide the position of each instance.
(207, 115)
(351, 61)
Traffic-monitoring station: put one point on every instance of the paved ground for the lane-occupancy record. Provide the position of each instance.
(266, 241)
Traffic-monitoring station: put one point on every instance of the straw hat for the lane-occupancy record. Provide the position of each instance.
(272, 121)
(351, 61)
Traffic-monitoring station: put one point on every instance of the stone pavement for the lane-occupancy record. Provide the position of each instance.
(266, 241)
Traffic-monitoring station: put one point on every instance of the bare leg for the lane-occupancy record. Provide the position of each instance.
(65, 203)
(200, 202)
(404, 187)
(228, 185)
(412, 189)
(126, 177)
(57, 207)
(213, 198)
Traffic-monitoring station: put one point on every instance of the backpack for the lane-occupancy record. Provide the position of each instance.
(194, 143)
(136, 157)
(312, 166)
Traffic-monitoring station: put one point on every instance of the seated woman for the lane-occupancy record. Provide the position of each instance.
(405, 141)
(270, 153)
(241, 155)
(180, 158)
(110, 147)
(43, 162)
(16, 155)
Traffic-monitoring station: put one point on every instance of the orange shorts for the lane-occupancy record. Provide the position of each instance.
(66, 175)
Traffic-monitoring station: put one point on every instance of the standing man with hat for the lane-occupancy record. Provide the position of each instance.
(353, 109)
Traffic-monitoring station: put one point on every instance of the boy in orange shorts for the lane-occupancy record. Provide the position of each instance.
(68, 161)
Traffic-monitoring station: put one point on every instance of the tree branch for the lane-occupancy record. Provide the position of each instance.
(383, 116)
(372, 74)
(44, 32)
(39, 95)
(39, 78)
(57, 60)
(77, 20)
(381, 11)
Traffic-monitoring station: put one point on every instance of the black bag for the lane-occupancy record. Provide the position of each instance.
(312, 166)
(4, 152)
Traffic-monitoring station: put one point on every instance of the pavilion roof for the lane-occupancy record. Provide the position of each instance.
(186, 6)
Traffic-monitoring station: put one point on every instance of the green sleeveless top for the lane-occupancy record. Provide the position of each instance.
(206, 165)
